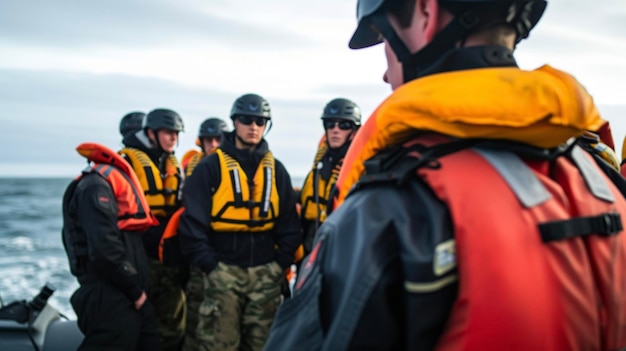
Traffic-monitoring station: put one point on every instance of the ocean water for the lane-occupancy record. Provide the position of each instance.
(31, 249)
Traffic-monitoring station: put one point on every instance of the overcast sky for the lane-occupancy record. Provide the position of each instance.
(70, 69)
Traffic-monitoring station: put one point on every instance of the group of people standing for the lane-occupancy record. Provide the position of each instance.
(206, 270)
(475, 209)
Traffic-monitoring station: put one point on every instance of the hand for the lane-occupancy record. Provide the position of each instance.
(141, 300)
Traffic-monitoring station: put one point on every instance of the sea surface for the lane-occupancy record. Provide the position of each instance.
(31, 249)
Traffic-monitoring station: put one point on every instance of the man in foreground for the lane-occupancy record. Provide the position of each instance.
(467, 218)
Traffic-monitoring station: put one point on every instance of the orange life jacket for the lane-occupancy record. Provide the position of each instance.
(133, 210)
(544, 266)
(523, 284)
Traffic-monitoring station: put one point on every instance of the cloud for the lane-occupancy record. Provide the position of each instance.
(584, 39)
(50, 113)
(70, 69)
(133, 24)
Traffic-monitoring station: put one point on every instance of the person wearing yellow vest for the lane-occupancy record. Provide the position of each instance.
(341, 119)
(240, 231)
(150, 151)
(104, 215)
(209, 137)
(468, 216)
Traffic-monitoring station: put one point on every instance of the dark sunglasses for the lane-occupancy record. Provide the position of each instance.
(247, 120)
(218, 138)
(343, 125)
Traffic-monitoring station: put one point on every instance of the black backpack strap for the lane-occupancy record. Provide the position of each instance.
(393, 165)
(616, 177)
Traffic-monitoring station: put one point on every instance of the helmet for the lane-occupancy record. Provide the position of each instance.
(470, 16)
(131, 122)
(251, 105)
(163, 118)
(212, 127)
(523, 17)
(341, 108)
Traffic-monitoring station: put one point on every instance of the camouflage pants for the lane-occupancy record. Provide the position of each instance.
(168, 300)
(237, 307)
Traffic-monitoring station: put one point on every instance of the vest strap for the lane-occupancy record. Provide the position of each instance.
(606, 224)
(593, 178)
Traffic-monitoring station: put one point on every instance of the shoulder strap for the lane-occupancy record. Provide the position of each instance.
(392, 164)
(616, 178)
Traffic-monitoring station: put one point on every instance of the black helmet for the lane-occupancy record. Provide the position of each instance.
(162, 118)
(212, 127)
(131, 122)
(251, 105)
(470, 16)
(341, 108)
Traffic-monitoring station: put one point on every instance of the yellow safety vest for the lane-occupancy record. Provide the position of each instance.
(161, 190)
(310, 209)
(241, 206)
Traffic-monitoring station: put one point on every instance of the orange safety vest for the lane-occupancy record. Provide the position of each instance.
(133, 210)
(543, 267)
(521, 286)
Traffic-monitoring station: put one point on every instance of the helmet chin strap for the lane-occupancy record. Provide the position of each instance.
(269, 126)
(416, 64)
(156, 142)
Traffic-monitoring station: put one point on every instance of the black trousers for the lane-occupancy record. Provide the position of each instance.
(110, 321)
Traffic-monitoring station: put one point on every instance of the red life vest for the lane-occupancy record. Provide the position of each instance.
(540, 250)
(133, 210)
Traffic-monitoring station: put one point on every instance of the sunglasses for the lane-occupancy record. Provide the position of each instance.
(211, 138)
(343, 125)
(247, 120)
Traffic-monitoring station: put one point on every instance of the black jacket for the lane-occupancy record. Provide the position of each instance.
(97, 248)
(205, 247)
